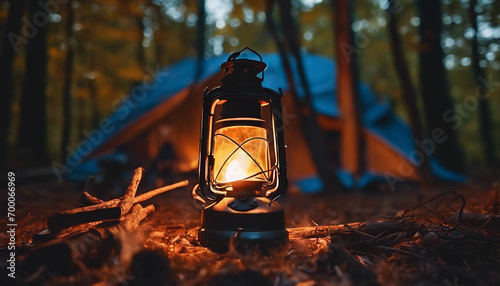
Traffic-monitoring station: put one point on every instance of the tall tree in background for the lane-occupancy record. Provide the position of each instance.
(93, 92)
(308, 118)
(32, 140)
(402, 71)
(7, 55)
(484, 110)
(351, 140)
(200, 44)
(141, 53)
(200, 40)
(68, 72)
(433, 81)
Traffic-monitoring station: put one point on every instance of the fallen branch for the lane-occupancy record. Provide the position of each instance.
(479, 221)
(360, 274)
(87, 199)
(65, 256)
(89, 214)
(136, 215)
(155, 192)
(58, 222)
(143, 197)
(77, 229)
(127, 200)
(362, 229)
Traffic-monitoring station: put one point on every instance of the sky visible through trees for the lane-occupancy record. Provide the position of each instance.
(118, 44)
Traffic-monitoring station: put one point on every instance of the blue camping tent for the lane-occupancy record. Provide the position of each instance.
(165, 109)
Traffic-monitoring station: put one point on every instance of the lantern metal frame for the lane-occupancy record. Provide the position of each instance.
(250, 216)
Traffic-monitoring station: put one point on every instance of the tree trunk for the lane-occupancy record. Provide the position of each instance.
(200, 40)
(10, 47)
(141, 56)
(438, 105)
(32, 139)
(347, 90)
(271, 26)
(93, 92)
(482, 93)
(409, 94)
(94, 102)
(308, 118)
(68, 72)
(82, 117)
(200, 46)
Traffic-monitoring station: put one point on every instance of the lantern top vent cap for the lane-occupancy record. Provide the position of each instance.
(244, 66)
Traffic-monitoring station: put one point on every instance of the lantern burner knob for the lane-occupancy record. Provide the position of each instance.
(243, 204)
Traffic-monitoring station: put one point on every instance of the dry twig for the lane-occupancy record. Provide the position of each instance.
(95, 211)
(64, 256)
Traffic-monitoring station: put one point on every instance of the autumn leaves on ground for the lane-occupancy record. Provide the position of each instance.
(435, 236)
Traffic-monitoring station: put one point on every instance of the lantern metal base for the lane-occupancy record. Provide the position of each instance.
(262, 227)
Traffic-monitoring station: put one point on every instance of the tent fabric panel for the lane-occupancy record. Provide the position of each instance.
(380, 156)
(382, 159)
(132, 130)
(183, 124)
(299, 159)
(166, 85)
(167, 104)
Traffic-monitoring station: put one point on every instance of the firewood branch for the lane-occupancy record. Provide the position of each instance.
(65, 255)
(60, 221)
(138, 199)
(96, 210)
(372, 229)
(87, 199)
(127, 200)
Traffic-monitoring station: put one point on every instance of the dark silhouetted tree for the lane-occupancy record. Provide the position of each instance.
(141, 56)
(68, 73)
(434, 86)
(308, 118)
(93, 92)
(482, 93)
(200, 39)
(402, 71)
(10, 47)
(32, 140)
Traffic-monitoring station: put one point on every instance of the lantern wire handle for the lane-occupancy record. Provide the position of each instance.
(206, 201)
(234, 55)
(195, 195)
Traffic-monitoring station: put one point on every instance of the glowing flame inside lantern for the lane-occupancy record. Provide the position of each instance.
(236, 170)
(241, 153)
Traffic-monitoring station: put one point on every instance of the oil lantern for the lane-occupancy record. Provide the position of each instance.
(242, 163)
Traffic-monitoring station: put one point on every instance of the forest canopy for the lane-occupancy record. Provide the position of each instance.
(117, 44)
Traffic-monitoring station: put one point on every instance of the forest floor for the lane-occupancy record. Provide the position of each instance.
(445, 234)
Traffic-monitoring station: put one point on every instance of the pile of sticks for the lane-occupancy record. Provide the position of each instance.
(89, 234)
(95, 210)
